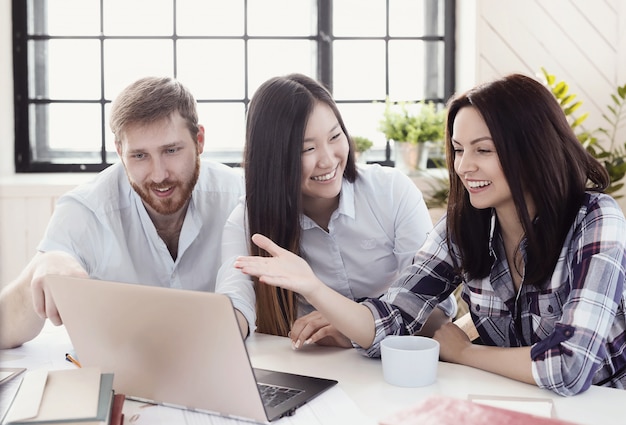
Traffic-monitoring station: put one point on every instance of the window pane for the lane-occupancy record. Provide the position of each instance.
(66, 17)
(406, 70)
(111, 152)
(434, 70)
(415, 70)
(128, 60)
(74, 132)
(225, 130)
(282, 17)
(269, 58)
(108, 136)
(209, 17)
(138, 17)
(73, 69)
(362, 119)
(361, 18)
(406, 18)
(112, 157)
(359, 69)
(411, 18)
(212, 68)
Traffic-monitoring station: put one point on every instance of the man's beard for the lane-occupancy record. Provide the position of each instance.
(170, 205)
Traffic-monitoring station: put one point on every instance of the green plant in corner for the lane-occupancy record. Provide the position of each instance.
(361, 144)
(601, 142)
(414, 123)
(400, 124)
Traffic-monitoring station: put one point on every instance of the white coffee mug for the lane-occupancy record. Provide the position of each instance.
(409, 361)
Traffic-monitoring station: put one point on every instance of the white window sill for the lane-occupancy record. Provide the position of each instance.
(41, 184)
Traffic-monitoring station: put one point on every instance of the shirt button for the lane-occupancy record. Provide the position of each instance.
(477, 308)
(568, 333)
(550, 309)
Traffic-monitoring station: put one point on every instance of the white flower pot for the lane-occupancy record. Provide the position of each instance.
(411, 157)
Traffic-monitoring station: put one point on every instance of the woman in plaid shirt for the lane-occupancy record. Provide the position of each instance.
(538, 249)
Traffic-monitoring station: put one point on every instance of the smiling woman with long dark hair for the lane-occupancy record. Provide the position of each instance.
(356, 226)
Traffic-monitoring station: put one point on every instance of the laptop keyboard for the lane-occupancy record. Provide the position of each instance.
(274, 395)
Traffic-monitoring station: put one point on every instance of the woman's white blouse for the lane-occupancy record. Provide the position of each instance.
(381, 222)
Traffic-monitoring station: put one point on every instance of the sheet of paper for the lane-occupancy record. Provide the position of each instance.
(47, 352)
(28, 399)
(332, 406)
(534, 406)
(8, 391)
(7, 373)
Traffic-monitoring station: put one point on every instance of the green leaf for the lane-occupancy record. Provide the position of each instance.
(599, 142)
(608, 119)
(560, 90)
(570, 109)
(549, 77)
(569, 99)
(615, 100)
(580, 119)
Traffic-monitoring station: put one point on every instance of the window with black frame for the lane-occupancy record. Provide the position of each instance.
(72, 57)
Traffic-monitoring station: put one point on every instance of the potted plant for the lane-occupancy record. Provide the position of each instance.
(361, 145)
(413, 127)
(601, 142)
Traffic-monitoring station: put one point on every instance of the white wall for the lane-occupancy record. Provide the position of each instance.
(577, 40)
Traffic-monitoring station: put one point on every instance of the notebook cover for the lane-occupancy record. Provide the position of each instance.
(62, 401)
(117, 418)
(440, 410)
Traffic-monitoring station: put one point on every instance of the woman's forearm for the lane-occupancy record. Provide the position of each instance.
(512, 362)
(352, 319)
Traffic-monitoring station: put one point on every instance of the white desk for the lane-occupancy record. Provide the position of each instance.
(361, 378)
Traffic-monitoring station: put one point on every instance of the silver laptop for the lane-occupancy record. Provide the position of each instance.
(174, 347)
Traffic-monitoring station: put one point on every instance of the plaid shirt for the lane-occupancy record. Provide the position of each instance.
(576, 325)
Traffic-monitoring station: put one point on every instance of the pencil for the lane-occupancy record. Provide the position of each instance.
(71, 359)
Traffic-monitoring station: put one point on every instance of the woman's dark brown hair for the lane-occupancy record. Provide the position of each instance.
(540, 156)
(276, 123)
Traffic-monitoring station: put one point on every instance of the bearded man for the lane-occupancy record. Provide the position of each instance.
(154, 218)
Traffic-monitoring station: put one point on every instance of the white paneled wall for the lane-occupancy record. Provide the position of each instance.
(25, 208)
(581, 42)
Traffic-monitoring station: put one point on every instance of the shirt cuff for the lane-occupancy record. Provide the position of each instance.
(449, 306)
